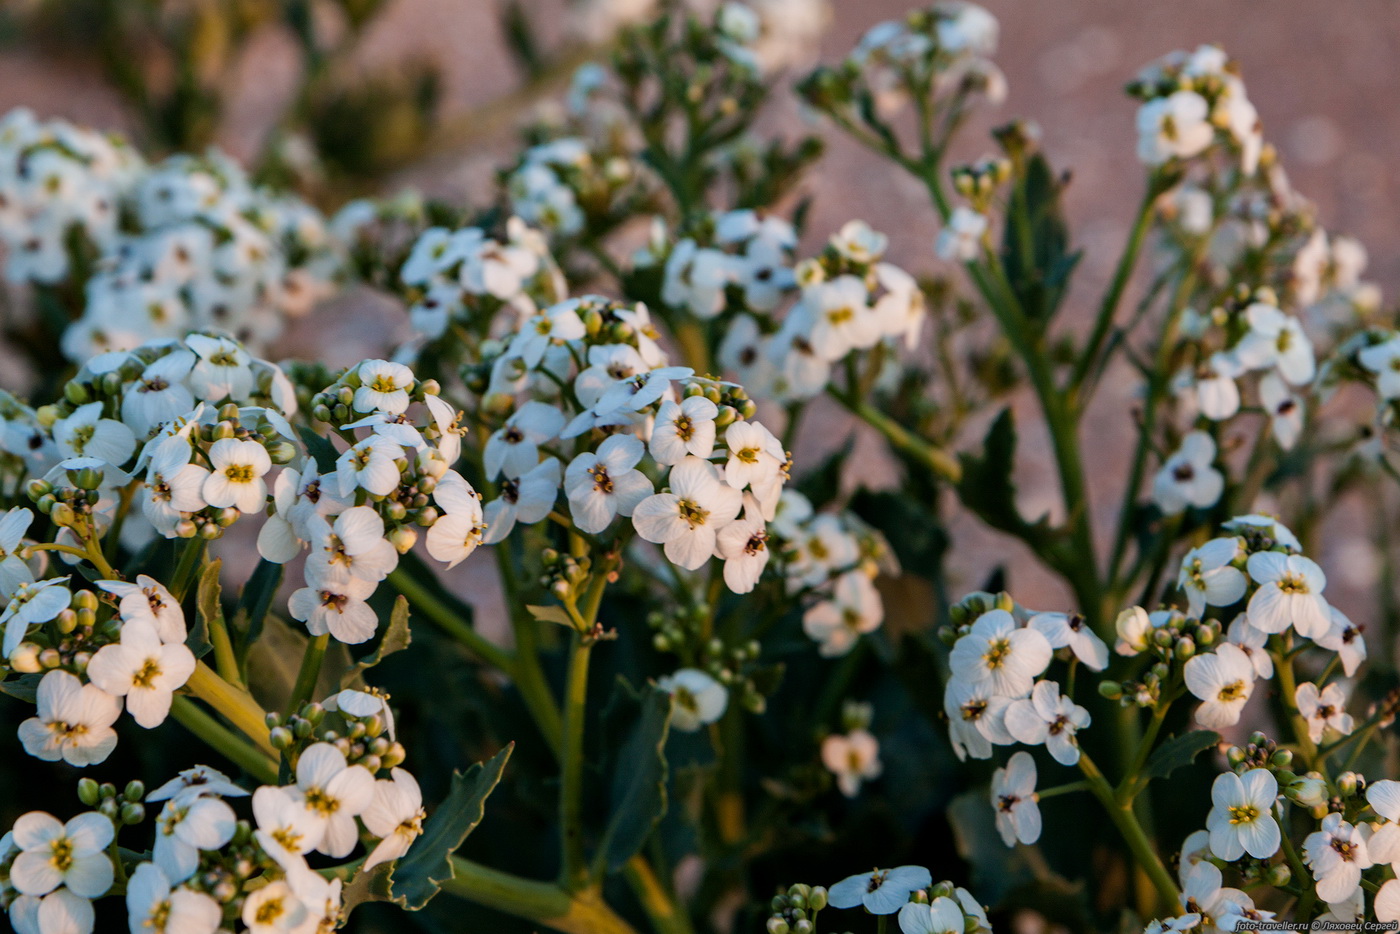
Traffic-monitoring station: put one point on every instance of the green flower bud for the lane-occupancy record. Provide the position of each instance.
(1110, 690)
(816, 900)
(89, 792)
(132, 814)
(134, 791)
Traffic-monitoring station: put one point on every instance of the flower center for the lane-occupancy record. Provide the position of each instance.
(1007, 803)
(62, 857)
(601, 481)
(692, 513)
(317, 800)
(996, 653)
(147, 675)
(685, 428)
(1231, 692)
(1243, 813)
(1293, 584)
(239, 473)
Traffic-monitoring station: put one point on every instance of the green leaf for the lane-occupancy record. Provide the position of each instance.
(253, 604)
(551, 614)
(638, 792)
(209, 604)
(320, 448)
(1179, 751)
(987, 488)
(372, 886)
(428, 864)
(1035, 244)
(24, 687)
(396, 638)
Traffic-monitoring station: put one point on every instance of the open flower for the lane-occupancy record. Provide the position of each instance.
(683, 428)
(284, 822)
(1189, 478)
(940, 916)
(1336, 854)
(395, 815)
(149, 601)
(697, 698)
(1208, 578)
(1050, 718)
(333, 602)
(1289, 594)
(513, 448)
(854, 758)
(142, 670)
(30, 605)
(1241, 819)
(152, 905)
(1276, 340)
(997, 651)
(1071, 630)
(1346, 640)
(527, 499)
(853, 609)
(74, 722)
(236, 475)
(1014, 800)
(355, 543)
(686, 520)
(881, 892)
(743, 544)
(334, 793)
(72, 854)
(458, 532)
(187, 825)
(1223, 680)
(86, 433)
(606, 483)
(976, 718)
(1323, 710)
(384, 387)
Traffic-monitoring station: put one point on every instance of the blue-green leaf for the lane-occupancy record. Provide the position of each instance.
(1179, 751)
(638, 793)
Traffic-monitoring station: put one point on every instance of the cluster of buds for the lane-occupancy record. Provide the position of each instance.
(365, 736)
(735, 665)
(68, 641)
(979, 181)
(795, 911)
(121, 808)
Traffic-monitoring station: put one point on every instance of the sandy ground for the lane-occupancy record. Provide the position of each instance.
(1320, 74)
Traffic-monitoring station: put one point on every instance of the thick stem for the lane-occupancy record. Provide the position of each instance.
(939, 461)
(234, 704)
(574, 868)
(581, 912)
(309, 672)
(656, 901)
(1138, 843)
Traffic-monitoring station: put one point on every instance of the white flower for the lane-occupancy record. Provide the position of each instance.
(1050, 718)
(224, 369)
(149, 601)
(1014, 800)
(160, 394)
(363, 705)
(1253, 643)
(284, 822)
(698, 699)
(143, 671)
(961, 239)
(1208, 577)
(976, 718)
(1336, 854)
(1070, 630)
(882, 892)
(1188, 477)
(755, 456)
(60, 912)
(334, 793)
(1134, 628)
(151, 905)
(743, 544)
(853, 609)
(31, 604)
(859, 243)
(527, 499)
(1285, 410)
(687, 519)
(383, 387)
(334, 602)
(996, 651)
(1323, 710)
(53, 854)
(1384, 798)
(605, 483)
(1346, 640)
(273, 909)
(86, 433)
(539, 332)
(683, 428)
(1176, 126)
(940, 916)
(236, 477)
(1207, 899)
(513, 448)
(1290, 594)
(74, 722)
(1383, 360)
(841, 317)
(197, 782)
(354, 543)
(1387, 905)
(457, 533)
(395, 815)
(370, 465)
(1217, 393)
(1223, 680)
(13, 571)
(1276, 340)
(174, 487)
(186, 825)
(1241, 818)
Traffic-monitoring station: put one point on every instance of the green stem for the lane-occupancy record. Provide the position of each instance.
(574, 869)
(939, 461)
(309, 672)
(193, 550)
(224, 741)
(1132, 783)
(1300, 872)
(445, 618)
(580, 912)
(1138, 844)
(1282, 652)
(234, 704)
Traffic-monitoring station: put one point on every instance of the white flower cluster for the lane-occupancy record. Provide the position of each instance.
(922, 906)
(466, 278)
(832, 560)
(553, 178)
(945, 48)
(1258, 568)
(993, 696)
(209, 249)
(1191, 100)
(210, 869)
(57, 178)
(596, 377)
(742, 250)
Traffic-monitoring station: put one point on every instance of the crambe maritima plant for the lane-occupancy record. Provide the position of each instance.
(533, 619)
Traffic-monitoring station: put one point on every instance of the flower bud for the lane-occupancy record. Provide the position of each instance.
(134, 791)
(1348, 783)
(816, 900)
(132, 813)
(89, 792)
(1185, 648)
(778, 926)
(25, 658)
(281, 738)
(1110, 690)
(1309, 790)
(1278, 875)
(403, 539)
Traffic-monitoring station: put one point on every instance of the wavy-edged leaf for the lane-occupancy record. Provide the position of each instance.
(420, 874)
(1179, 751)
(638, 792)
(396, 638)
